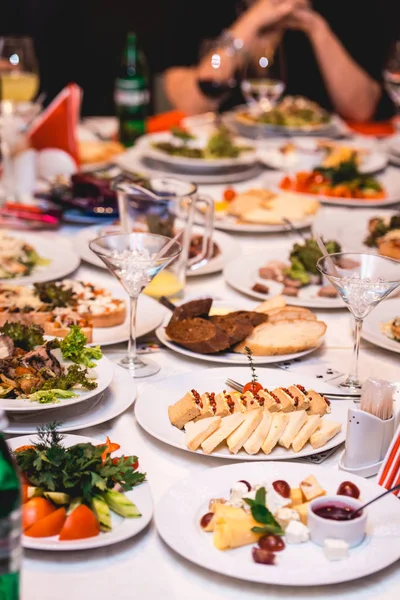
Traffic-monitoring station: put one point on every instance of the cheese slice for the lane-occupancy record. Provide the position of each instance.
(301, 439)
(228, 425)
(196, 433)
(326, 432)
(278, 425)
(296, 421)
(257, 438)
(236, 440)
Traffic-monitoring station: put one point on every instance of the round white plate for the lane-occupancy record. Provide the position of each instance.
(104, 369)
(298, 565)
(229, 248)
(372, 332)
(306, 155)
(146, 146)
(115, 400)
(122, 528)
(242, 273)
(151, 408)
(63, 259)
(389, 179)
(232, 358)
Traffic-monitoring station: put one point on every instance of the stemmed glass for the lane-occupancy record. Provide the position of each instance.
(134, 259)
(362, 280)
(19, 80)
(392, 75)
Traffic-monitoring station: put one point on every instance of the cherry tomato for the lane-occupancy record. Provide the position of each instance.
(273, 543)
(253, 387)
(229, 194)
(347, 488)
(282, 487)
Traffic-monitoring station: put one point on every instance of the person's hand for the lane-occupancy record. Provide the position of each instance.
(305, 19)
(269, 13)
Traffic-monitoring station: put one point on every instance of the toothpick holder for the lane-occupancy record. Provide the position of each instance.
(367, 441)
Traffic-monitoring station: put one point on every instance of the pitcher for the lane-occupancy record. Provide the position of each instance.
(168, 206)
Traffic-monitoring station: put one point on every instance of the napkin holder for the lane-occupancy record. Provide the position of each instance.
(367, 441)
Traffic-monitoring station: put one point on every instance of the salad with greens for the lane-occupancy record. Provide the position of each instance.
(304, 258)
(45, 370)
(18, 258)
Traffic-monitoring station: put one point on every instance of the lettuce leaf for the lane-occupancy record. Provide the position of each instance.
(73, 348)
(50, 396)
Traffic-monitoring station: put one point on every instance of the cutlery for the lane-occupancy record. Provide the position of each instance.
(351, 514)
(239, 388)
(294, 228)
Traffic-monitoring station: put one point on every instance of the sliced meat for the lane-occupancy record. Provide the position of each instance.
(294, 283)
(6, 346)
(260, 289)
(327, 291)
(290, 291)
(42, 358)
(266, 273)
(198, 335)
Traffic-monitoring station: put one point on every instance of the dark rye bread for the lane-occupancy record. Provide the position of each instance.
(190, 310)
(198, 335)
(236, 326)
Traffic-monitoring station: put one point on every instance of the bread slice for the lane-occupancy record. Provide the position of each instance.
(276, 302)
(290, 313)
(284, 337)
(324, 433)
(198, 335)
(185, 410)
(236, 439)
(269, 402)
(257, 438)
(196, 433)
(318, 404)
(285, 399)
(278, 425)
(301, 439)
(301, 401)
(296, 421)
(228, 425)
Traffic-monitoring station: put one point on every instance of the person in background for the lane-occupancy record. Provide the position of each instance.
(334, 52)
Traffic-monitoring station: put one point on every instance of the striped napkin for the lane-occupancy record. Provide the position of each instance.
(389, 474)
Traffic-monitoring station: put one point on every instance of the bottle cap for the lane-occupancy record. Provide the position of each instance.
(3, 421)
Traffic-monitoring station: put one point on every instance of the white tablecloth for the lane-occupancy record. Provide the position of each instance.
(144, 567)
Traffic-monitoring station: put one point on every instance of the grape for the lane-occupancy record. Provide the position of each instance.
(282, 488)
(347, 488)
(205, 520)
(264, 557)
(272, 543)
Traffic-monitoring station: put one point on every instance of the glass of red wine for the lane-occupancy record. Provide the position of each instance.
(218, 79)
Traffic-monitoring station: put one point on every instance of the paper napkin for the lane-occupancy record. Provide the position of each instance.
(389, 474)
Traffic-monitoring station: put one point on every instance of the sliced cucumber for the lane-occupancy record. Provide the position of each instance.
(75, 502)
(34, 491)
(102, 512)
(57, 497)
(121, 505)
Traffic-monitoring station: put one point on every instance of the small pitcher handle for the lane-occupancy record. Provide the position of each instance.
(207, 245)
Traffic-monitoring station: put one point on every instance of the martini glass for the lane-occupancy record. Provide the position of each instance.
(135, 259)
(362, 280)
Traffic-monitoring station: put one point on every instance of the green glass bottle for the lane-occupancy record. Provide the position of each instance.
(131, 93)
(10, 521)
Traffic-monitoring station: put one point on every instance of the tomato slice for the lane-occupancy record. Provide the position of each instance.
(50, 525)
(253, 387)
(81, 523)
(229, 194)
(34, 510)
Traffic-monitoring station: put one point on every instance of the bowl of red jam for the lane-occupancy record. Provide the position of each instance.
(333, 517)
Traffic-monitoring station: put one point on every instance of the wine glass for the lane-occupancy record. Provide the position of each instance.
(362, 280)
(262, 83)
(392, 75)
(19, 80)
(134, 259)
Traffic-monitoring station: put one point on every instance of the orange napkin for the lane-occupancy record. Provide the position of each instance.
(56, 127)
(374, 128)
(389, 474)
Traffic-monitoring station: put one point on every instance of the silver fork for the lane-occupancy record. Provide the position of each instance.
(239, 388)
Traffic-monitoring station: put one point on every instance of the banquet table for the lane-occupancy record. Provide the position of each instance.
(143, 566)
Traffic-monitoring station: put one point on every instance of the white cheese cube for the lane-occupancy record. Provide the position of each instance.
(296, 533)
(285, 515)
(336, 549)
(275, 501)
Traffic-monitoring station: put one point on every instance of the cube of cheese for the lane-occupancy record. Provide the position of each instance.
(302, 509)
(296, 496)
(311, 488)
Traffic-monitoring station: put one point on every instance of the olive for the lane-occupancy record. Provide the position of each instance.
(206, 519)
(264, 557)
(282, 488)
(347, 488)
(273, 543)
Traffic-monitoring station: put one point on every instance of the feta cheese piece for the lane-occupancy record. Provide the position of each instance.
(274, 500)
(336, 549)
(296, 533)
(285, 515)
(238, 492)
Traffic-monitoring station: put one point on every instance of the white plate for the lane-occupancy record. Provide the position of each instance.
(333, 127)
(306, 155)
(227, 245)
(232, 358)
(151, 408)
(384, 312)
(389, 179)
(146, 146)
(104, 369)
(122, 528)
(63, 259)
(117, 398)
(299, 565)
(242, 274)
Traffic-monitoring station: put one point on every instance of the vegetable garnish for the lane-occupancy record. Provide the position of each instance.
(23, 336)
(75, 375)
(55, 294)
(304, 258)
(73, 347)
(50, 396)
(261, 514)
(253, 386)
(110, 448)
